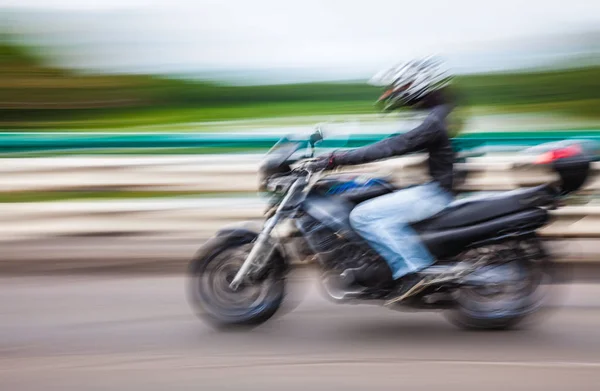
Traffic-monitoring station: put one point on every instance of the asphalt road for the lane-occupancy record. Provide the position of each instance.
(138, 333)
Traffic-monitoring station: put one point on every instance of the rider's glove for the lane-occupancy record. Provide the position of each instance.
(323, 162)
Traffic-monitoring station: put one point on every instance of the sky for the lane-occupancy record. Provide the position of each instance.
(333, 37)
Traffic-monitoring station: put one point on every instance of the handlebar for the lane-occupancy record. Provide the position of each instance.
(307, 166)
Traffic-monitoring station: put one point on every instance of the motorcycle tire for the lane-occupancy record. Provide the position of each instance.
(209, 293)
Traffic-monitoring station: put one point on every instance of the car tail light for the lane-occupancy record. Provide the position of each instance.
(561, 153)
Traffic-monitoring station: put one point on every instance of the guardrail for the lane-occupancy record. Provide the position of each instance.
(194, 218)
(201, 216)
(20, 142)
(238, 173)
(164, 234)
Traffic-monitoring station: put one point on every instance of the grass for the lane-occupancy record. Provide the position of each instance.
(47, 196)
(266, 115)
(157, 119)
(585, 108)
(53, 196)
(223, 119)
(137, 151)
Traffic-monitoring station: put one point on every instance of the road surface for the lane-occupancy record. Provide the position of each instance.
(137, 333)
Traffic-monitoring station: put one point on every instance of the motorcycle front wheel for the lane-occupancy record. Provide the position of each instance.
(211, 272)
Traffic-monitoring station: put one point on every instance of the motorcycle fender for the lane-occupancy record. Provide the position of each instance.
(285, 230)
(247, 229)
(490, 275)
(241, 233)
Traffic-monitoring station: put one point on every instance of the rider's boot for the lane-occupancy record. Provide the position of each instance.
(407, 286)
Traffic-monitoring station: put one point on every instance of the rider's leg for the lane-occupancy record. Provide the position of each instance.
(385, 223)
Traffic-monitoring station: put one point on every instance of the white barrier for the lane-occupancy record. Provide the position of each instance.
(236, 173)
(200, 217)
(193, 218)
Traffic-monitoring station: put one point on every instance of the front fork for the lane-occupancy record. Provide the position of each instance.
(263, 238)
(260, 242)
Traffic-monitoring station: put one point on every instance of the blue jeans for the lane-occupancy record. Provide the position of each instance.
(384, 222)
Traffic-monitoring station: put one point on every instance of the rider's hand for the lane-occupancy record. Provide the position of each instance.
(323, 162)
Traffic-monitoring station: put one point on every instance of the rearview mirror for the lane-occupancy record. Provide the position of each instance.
(316, 136)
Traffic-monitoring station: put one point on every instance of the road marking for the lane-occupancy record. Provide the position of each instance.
(163, 361)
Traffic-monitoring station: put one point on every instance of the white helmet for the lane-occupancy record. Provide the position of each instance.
(406, 83)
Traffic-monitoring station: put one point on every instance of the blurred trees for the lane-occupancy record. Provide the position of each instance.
(33, 95)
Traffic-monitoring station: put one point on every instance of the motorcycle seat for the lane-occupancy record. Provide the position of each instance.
(476, 209)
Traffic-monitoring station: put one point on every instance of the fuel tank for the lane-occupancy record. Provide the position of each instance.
(353, 188)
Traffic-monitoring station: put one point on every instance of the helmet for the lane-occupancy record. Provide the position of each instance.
(405, 84)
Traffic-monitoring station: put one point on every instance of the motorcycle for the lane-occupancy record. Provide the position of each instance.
(491, 269)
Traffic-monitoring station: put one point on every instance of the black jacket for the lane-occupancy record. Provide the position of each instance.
(430, 136)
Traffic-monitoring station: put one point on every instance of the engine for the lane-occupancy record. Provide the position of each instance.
(337, 253)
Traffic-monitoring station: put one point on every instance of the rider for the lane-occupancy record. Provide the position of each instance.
(384, 222)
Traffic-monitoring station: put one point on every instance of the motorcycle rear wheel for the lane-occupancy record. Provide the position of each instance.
(477, 309)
